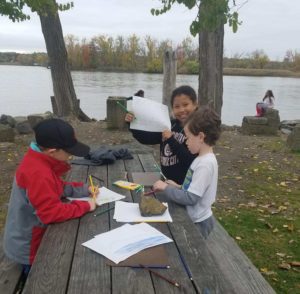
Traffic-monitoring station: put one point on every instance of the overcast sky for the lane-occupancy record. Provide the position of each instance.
(269, 25)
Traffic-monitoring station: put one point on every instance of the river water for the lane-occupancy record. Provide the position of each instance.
(26, 90)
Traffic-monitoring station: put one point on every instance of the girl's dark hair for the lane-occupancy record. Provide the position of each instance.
(139, 93)
(184, 90)
(207, 121)
(269, 94)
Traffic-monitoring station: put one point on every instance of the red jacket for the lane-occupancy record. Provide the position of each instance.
(36, 202)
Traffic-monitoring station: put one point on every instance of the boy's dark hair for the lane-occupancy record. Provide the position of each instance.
(207, 121)
(184, 90)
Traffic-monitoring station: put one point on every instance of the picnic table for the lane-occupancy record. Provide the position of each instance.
(63, 265)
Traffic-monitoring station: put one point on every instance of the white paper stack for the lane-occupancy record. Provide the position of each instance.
(126, 212)
(121, 243)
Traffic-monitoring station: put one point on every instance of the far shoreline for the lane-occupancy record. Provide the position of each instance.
(251, 72)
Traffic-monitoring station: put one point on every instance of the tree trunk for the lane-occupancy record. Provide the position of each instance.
(64, 92)
(210, 90)
(170, 71)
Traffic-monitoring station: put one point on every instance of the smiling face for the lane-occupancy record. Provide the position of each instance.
(182, 107)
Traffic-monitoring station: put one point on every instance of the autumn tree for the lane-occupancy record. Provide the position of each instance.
(209, 26)
(66, 101)
(259, 59)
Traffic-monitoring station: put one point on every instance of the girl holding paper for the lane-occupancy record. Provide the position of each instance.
(175, 158)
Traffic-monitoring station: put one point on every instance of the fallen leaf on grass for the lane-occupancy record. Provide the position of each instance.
(263, 269)
(295, 263)
(284, 266)
(269, 225)
(269, 273)
(238, 238)
(280, 254)
(283, 184)
(290, 227)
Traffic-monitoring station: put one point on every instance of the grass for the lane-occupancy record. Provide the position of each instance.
(266, 224)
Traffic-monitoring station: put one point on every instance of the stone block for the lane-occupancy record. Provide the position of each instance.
(264, 125)
(34, 119)
(116, 113)
(7, 120)
(7, 133)
(293, 139)
(23, 125)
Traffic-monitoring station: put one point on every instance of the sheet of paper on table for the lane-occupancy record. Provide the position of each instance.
(105, 196)
(126, 212)
(122, 242)
(149, 115)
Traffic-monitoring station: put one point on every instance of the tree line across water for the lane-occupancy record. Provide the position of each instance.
(135, 54)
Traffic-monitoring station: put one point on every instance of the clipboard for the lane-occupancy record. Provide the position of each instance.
(146, 179)
(153, 256)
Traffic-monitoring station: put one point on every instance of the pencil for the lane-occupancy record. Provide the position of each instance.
(158, 168)
(122, 106)
(103, 211)
(174, 283)
(186, 267)
(139, 189)
(148, 266)
(93, 188)
(149, 192)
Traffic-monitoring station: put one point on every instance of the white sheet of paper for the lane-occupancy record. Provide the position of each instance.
(122, 242)
(126, 212)
(105, 196)
(149, 115)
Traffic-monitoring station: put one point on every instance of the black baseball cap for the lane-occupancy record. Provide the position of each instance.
(56, 133)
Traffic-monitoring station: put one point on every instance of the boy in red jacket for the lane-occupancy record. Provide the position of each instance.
(35, 199)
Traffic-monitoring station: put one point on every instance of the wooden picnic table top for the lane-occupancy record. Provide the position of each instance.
(63, 265)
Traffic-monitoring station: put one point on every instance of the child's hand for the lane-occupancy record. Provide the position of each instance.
(129, 117)
(160, 186)
(172, 183)
(166, 134)
(94, 192)
(92, 204)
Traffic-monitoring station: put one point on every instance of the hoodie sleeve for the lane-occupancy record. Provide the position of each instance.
(76, 190)
(180, 196)
(44, 198)
(147, 138)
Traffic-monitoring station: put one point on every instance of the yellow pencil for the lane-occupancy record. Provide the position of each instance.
(93, 188)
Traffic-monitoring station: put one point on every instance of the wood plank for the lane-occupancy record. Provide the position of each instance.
(89, 272)
(10, 272)
(126, 280)
(235, 264)
(51, 268)
(148, 162)
(176, 272)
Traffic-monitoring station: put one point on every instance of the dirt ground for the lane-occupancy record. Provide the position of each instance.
(235, 152)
